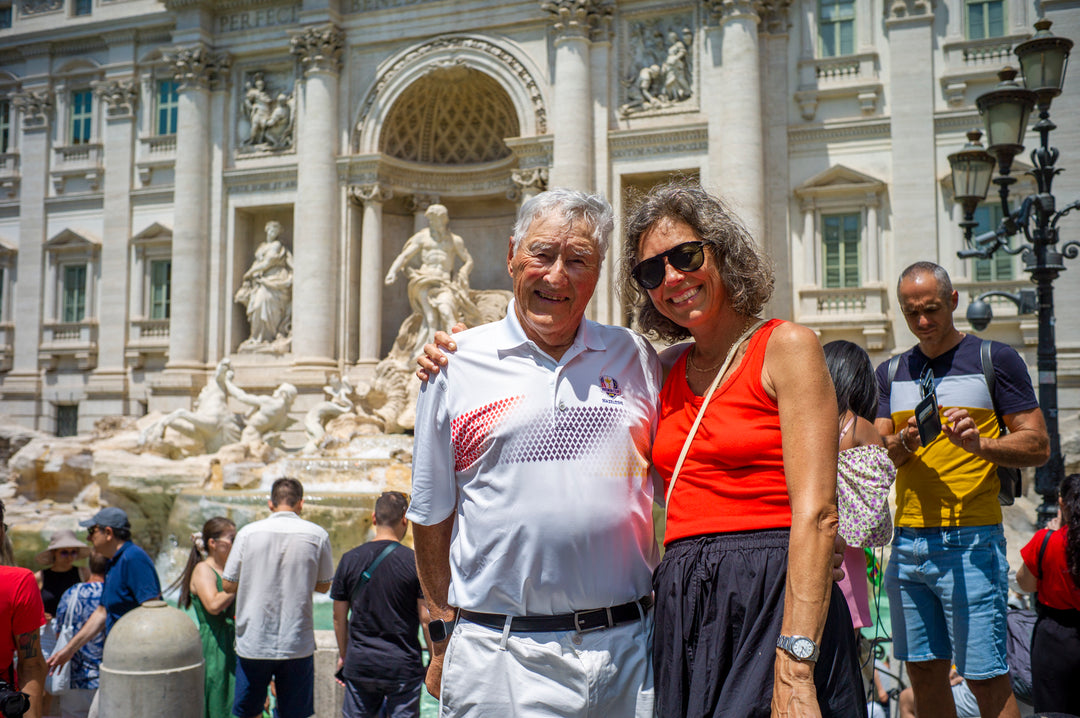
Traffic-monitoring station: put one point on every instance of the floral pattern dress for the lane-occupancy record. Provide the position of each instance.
(86, 663)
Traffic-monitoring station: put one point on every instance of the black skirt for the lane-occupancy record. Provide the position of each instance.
(1055, 661)
(719, 609)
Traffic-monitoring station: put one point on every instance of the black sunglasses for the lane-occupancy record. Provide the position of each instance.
(926, 381)
(685, 257)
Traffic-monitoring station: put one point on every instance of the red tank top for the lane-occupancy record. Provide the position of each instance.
(733, 476)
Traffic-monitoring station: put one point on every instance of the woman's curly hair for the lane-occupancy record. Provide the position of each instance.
(746, 273)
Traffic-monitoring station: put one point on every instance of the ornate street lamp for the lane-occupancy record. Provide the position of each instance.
(1005, 111)
(972, 168)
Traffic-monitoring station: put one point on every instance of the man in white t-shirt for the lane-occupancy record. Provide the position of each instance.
(273, 568)
(532, 490)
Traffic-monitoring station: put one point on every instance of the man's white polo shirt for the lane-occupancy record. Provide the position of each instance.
(546, 464)
(276, 563)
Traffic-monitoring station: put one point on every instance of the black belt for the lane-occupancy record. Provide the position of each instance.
(595, 619)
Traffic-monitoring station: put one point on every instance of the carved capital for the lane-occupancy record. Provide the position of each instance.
(374, 192)
(420, 202)
(580, 18)
(197, 67)
(774, 16)
(905, 9)
(528, 181)
(319, 48)
(120, 96)
(35, 108)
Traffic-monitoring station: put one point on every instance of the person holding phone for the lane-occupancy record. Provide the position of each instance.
(947, 577)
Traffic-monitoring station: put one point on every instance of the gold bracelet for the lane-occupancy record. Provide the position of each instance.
(903, 441)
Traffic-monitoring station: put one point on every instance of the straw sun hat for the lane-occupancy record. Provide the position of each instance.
(62, 539)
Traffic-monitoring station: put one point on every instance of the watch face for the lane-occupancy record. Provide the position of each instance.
(437, 629)
(802, 647)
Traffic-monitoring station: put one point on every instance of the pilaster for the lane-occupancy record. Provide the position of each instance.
(316, 253)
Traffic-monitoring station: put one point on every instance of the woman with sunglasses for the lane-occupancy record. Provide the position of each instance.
(746, 619)
(61, 572)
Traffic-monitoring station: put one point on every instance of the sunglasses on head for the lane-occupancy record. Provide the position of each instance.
(685, 257)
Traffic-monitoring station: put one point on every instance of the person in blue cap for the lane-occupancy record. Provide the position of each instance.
(130, 581)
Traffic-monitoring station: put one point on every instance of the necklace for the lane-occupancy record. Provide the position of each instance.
(705, 370)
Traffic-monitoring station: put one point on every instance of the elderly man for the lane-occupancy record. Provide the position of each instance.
(947, 576)
(532, 492)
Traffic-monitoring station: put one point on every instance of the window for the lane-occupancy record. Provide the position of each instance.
(5, 125)
(985, 18)
(836, 27)
(82, 7)
(5, 16)
(160, 288)
(67, 419)
(1001, 267)
(74, 293)
(81, 113)
(167, 104)
(840, 233)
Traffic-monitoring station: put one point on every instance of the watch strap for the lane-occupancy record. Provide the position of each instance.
(787, 644)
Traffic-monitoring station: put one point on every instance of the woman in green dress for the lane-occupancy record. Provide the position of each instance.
(200, 586)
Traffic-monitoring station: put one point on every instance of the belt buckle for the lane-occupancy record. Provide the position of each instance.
(579, 617)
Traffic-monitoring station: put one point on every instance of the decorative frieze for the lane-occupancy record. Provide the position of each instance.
(258, 18)
(319, 48)
(120, 96)
(199, 67)
(367, 5)
(635, 144)
(773, 13)
(35, 108)
(580, 18)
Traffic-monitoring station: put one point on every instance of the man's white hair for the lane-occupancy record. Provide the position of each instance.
(574, 205)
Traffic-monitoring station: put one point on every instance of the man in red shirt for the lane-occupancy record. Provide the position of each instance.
(21, 615)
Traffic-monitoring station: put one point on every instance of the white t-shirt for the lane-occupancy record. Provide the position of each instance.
(276, 563)
(547, 466)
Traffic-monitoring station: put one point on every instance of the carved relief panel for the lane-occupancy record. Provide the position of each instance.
(657, 71)
(266, 116)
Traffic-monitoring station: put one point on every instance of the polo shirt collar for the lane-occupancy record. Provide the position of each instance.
(119, 552)
(283, 514)
(512, 338)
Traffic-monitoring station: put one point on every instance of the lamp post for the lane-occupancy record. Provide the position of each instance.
(1005, 111)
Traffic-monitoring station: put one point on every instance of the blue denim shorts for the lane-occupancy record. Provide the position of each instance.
(948, 592)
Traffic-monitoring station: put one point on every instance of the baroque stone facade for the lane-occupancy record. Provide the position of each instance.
(147, 146)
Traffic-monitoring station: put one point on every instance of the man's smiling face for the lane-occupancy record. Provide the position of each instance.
(555, 270)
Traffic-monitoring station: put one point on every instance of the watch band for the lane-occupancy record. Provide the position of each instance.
(800, 648)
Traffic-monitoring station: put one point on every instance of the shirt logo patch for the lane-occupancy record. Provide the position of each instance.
(609, 386)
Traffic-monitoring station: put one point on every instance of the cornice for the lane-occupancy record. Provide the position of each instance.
(840, 132)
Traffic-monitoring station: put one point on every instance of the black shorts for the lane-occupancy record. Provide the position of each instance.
(719, 608)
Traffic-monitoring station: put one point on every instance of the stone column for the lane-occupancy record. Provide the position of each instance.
(372, 197)
(195, 67)
(572, 114)
(418, 204)
(910, 28)
(22, 385)
(316, 255)
(735, 122)
(121, 97)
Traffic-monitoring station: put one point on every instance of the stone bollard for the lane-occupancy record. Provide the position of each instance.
(152, 665)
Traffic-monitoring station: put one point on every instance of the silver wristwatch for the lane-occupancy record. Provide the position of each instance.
(800, 648)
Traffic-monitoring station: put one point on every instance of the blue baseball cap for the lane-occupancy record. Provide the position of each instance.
(111, 516)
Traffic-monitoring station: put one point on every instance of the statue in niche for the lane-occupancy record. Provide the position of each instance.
(438, 300)
(266, 293)
(210, 423)
(270, 413)
(664, 75)
(271, 118)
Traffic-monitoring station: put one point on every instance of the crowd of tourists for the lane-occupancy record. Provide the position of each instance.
(543, 442)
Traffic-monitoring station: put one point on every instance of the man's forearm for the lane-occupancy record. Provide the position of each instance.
(32, 682)
(432, 545)
(93, 626)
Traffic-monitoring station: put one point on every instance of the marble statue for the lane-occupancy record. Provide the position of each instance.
(435, 294)
(271, 118)
(340, 402)
(211, 423)
(270, 414)
(266, 293)
(676, 69)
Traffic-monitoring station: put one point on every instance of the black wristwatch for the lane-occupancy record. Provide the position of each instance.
(440, 630)
(800, 648)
